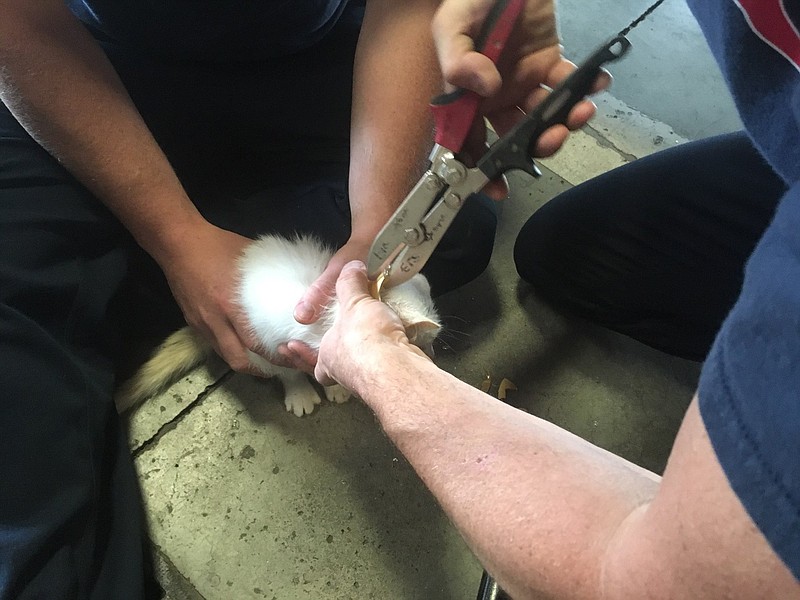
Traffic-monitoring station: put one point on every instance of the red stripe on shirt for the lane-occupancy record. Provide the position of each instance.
(768, 19)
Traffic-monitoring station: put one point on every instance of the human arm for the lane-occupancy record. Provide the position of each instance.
(546, 512)
(395, 76)
(60, 86)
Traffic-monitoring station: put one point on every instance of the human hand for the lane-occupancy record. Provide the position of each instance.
(319, 294)
(364, 329)
(530, 64)
(203, 278)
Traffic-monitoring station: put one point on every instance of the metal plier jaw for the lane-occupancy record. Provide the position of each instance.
(416, 228)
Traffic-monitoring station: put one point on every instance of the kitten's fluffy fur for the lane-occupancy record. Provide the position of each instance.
(274, 274)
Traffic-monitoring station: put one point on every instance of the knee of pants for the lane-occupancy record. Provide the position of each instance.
(536, 246)
(467, 247)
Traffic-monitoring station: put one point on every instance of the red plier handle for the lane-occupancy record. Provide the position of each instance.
(455, 112)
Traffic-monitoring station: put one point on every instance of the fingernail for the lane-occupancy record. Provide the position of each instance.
(303, 311)
(479, 84)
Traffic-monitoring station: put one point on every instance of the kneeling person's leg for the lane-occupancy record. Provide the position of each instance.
(655, 249)
(71, 521)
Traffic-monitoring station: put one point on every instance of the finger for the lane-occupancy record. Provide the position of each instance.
(558, 72)
(475, 144)
(581, 114)
(473, 71)
(321, 375)
(454, 26)
(497, 189)
(303, 356)
(535, 73)
(229, 346)
(504, 120)
(550, 141)
(289, 358)
(603, 81)
(282, 357)
(316, 297)
(554, 137)
(246, 335)
(564, 69)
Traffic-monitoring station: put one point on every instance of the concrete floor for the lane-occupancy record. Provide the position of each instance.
(247, 501)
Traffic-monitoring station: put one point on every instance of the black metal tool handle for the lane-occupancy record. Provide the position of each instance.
(489, 590)
(513, 150)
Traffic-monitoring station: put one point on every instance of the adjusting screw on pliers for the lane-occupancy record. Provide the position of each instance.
(450, 170)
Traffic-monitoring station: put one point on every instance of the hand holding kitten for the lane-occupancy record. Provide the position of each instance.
(362, 331)
(296, 354)
(203, 280)
(272, 273)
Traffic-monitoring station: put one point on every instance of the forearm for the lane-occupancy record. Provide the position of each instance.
(536, 504)
(61, 87)
(396, 75)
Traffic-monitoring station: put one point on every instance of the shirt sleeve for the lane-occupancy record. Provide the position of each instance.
(750, 386)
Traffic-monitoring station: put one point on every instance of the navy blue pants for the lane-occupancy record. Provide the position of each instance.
(261, 147)
(655, 249)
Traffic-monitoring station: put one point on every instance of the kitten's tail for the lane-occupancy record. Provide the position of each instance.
(176, 356)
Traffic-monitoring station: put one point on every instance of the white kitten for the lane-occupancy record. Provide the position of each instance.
(274, 274)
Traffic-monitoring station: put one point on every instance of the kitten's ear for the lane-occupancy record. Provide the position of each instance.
(422, 333)
(421, 329)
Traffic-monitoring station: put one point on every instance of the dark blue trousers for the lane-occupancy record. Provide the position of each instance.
(261, 146)
(655, 249)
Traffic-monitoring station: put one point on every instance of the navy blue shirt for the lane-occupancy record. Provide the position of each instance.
(750, 384)
(211, 29)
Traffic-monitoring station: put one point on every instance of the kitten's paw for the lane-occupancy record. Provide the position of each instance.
(336, 393)
(301, 401)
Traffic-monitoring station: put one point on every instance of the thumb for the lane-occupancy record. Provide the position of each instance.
(454, 27)
(352, 284)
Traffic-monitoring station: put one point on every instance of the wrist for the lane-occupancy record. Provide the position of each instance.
(365, 231)
(386, 372)
(171, 232)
